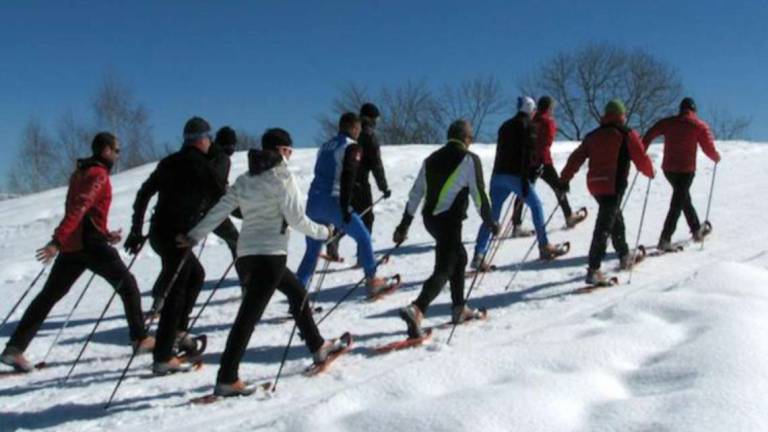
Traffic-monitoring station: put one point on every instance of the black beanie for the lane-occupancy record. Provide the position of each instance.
(545, 103)
(196, 128)
(274, 138)
(226, 137)
(687, 104)
(369, 110)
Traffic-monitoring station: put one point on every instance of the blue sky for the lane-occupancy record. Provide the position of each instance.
(280, 63)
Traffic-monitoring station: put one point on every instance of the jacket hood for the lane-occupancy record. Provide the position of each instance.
(93, 161)
(260, 161)
(614, 119)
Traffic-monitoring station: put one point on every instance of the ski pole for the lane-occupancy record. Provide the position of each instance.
(148, 325)
(29, 288)
(496, 243)
(356, 286)
(709, 200)
(43, 364)
(475, 282)
(640, 228)
(530, 249)
(101, 317)
(629, 192)
(202, 247)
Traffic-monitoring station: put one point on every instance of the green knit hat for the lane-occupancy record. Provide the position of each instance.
(615, 107)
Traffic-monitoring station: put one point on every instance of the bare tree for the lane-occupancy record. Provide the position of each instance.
(410, 115)
(72, 141)
(351, 97)
(583, 82)
(35, 167)
(726, 126)
(473, 100)
(247, 141)
(115, 110)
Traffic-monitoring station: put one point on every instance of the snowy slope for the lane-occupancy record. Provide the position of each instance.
(681, 348)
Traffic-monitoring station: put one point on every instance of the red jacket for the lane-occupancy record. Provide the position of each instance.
(608, 164)
(89, 196)
(682, 133)
(546, 129)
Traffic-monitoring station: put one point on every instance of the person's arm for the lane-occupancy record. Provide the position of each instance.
(147, 190)
(293, 211)
(216, 215)
(707, 143)
(477, 191)
(95, 181)
(654, 132)
(638, 155)
(349, 169)
(377, 166)
(575, 161)
(415, 196)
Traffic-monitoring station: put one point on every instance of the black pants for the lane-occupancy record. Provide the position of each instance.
(550, 176)
(609, 223)
(227, 232)
(181, 296)
(450, 261)
(99, 258)
(362, 200)
(260, 275)
(681, 203)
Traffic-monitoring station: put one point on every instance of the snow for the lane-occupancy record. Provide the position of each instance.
(681, 348)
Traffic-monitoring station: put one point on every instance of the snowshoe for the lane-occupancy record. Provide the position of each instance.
(14, 358)
(549, 251)
(405, 343)
(705, 230)
(576, 218)
(413, 317)
(379, 288)
(596, 278)
(480, 265)
(332, 258)
(191, 347)
(328, 353)
(518, 232)
(237, 388)
(175, 365)
(462, 314)
(632, 259)
(236, 391)
(144, 345)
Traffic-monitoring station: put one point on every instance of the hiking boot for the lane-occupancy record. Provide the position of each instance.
(375, 285)
(596, 277)
(175, 364)
(705, 230)
(463, 313)
(144, 345)
(329, 347)
(478, 263)
(14, 358)
(665, 245)
(574, 219)
(550, 251)
(237, 388)
(518, 232)
(413, 317)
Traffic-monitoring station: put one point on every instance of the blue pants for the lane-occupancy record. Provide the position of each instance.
(501, 186)
(327, 210)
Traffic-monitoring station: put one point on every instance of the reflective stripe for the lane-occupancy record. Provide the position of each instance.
(445, 190)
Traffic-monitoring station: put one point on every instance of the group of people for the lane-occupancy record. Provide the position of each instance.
(195, 199)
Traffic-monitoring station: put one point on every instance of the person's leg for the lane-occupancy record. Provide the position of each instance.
(175, 301)
(446, 260)
(292, 289)
(457, 278)
(537, 211)
(228, 232)
(500, 190)
(362, 203)
(551, 177)
(65, 271)
(675, 206)
(517, 211)
(195, 282)
(260, 276)
(688, 210)
(606, 216)
(317, 211)
(357, 230)
(618, 232)
(104, 260)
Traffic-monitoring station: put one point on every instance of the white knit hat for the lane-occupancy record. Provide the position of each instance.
(526, 104)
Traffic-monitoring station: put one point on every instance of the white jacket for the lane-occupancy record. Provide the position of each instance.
(265, 200)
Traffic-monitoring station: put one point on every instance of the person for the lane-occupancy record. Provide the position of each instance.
(512, 172)
(370, 163)
(329, 202)
(270, 202)
(446, 180)
(82, 242)
(222, 150)
(609, 148)
(187, 186)
(546, 129)
(683, 134)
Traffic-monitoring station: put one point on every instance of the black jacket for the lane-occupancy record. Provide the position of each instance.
(221, 164)
(187, 186)
(516, 146)
(371, 159)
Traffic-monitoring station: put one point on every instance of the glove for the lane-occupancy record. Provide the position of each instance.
(387, 193)
(134, 241)
(495, 229)
(401, 234)
(717, 158)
